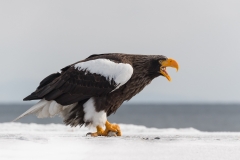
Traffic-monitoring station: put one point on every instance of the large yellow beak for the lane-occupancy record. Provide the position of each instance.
(168, 63)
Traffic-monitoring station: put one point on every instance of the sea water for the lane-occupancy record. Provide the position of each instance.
(204, 117)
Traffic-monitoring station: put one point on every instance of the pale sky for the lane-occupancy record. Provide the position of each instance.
(38, 38)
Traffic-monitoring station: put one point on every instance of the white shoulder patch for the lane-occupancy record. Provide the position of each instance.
(119, 72)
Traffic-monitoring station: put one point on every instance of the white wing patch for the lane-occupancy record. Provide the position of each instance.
(44, 109)
(119, 72)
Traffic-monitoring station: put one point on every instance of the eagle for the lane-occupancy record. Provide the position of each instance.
(90, 90)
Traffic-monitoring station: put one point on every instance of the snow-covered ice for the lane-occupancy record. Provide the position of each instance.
(55, 141)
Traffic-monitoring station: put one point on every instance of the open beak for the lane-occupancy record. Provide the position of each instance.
(168, 63)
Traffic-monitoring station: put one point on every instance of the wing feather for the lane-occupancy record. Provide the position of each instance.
(83, 80)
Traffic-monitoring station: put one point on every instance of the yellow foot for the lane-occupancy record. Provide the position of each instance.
(99, 132)
(111, 130)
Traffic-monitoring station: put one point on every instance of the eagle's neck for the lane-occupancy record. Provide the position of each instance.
(141, 77)
(141, 65)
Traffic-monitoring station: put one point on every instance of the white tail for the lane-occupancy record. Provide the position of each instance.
(44, 109)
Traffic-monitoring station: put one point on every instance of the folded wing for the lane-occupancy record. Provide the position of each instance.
(83, 80)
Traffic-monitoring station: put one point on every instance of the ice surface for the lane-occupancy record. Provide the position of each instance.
(55, 141)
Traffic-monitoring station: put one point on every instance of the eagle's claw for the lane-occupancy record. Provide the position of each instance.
(111, 130)
(92, 134)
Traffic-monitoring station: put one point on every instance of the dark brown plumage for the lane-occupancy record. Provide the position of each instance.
(78, 86)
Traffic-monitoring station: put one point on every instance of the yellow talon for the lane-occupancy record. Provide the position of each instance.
(109, 128)
(113, 128)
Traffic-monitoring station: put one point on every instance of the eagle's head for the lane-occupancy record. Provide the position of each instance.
(160, 63)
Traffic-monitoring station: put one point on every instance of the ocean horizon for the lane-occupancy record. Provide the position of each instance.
(204, 117)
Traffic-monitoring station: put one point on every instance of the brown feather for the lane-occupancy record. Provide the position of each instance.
(74, 86)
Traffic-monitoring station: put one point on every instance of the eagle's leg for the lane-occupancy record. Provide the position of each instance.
(109, 128)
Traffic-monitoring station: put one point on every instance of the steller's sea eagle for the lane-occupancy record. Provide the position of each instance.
(89, 90)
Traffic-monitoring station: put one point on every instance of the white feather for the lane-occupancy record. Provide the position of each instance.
(33, 109)
(119, 72)
(39, 114)
(54, 108)
(46, 108)
(91, 115)
(45, 111)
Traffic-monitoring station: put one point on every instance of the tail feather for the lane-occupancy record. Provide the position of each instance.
(33, 109)
(44, 109)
